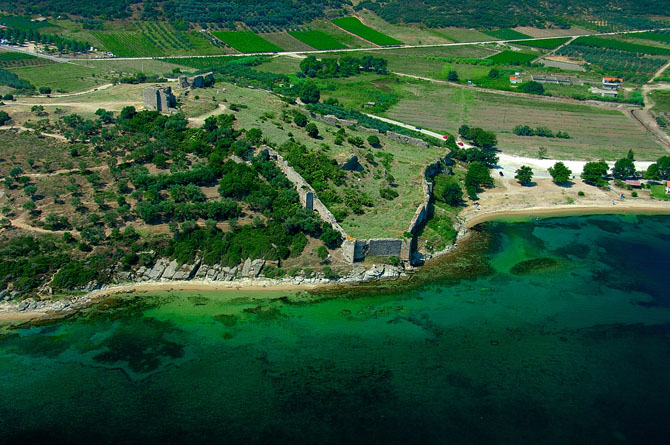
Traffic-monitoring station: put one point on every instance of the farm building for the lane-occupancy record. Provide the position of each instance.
(557, 80)
(604, 93)
(634, 183)
(667, 188)
(612, 83)
(515, 80)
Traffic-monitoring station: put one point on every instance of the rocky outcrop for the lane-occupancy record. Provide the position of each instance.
(407, 139)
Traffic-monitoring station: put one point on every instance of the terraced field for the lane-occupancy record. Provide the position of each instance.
(246, 41)
(354, 26)
(155, 39)
(444, 109)
(317, 39)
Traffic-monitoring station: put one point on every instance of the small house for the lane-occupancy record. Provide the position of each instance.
(612, 83)
(369, 104)
(515, 80)
(667, 188)
(604, 92)
(3, 27)
(634, 183)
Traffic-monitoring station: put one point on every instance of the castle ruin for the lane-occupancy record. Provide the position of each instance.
(159, 99)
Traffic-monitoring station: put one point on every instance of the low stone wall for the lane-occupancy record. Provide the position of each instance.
(306, 192)
(333, 120)
(357, 250)
(407, 139)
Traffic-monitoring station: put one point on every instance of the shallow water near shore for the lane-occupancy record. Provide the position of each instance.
(550, 331)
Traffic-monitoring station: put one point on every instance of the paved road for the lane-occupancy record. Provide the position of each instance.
(508, 164)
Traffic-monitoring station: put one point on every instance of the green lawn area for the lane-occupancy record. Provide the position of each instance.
(507, 34)
(317, 39)
(246, 41)
(353, 25)
(658, 192)
(280, 65)
(386, 218)
(63, 77)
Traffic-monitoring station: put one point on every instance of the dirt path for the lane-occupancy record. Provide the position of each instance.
(20, 223)
(60, 137)
(198, 121)
(64, 171)
(78, 93)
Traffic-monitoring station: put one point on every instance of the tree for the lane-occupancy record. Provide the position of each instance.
(30, 190)
(560, 173)
(452, 76)
(663, 164)
(4, 117)
(652, 172)
(45, 90)
(331, 237)
(373, 140)
(524, 175)
(254, 135)
(532, 87)
(542, 152)
(631, 155)
(624, 168)
(300, 119)
(312, 130)
(322, 252)
(451, 194)
(478, 175)
(494, 73)
(309, 92)
(594, 173)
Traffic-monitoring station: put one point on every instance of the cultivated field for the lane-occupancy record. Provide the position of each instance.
(246, 41)
(12, 60)
(512, 57)
(599, 42)
(545, 43)
(317, 39)
(463, 34)
(595, 133)
(349, 40)
(286, 41)
(406, 33)
(507, 34)
(353, 25)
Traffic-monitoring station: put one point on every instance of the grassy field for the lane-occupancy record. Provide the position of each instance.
(599, 42)
(661, 100)
(386, 218)
(463, 35)
(507, 34)
(353, 25)
(246, 41)
(63, 77)
(545, 43)
(653, 36)
(317, 39)
(349, 40)
(149, 67)
(595, 133)
(512, 57)
(128, 44)
(280, 65)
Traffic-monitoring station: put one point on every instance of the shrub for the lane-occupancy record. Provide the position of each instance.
(560, 173)
(580, 193)
(373, 140)
(388, 193)
(4, 117)
(45, 90)
(299, 119)
(312, 130)
(356, 141)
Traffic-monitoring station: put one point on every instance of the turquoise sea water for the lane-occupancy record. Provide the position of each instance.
(551, 331)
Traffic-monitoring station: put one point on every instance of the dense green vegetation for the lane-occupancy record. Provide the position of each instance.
(317, 39)
(19, 36)
(656, 36)
(12, 80)
(508, 34)
(246, 41)
(343, 67)
(353, 25)
(525, 130)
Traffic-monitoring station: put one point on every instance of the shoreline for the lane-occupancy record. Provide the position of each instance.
(565, 210)
(10, 312)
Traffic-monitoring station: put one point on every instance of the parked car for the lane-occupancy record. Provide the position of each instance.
(460, 144)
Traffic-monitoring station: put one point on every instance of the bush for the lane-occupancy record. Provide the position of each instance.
(4, 117)
(356, 141)
(388, 193)
(594, 173)
(580, 193)
(45, 90)
(312, 130)
(373, 140)
(309, 92)
(299, 119)
(634, 194)
(560, 173)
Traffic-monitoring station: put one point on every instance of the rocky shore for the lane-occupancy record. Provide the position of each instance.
(166, 272)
